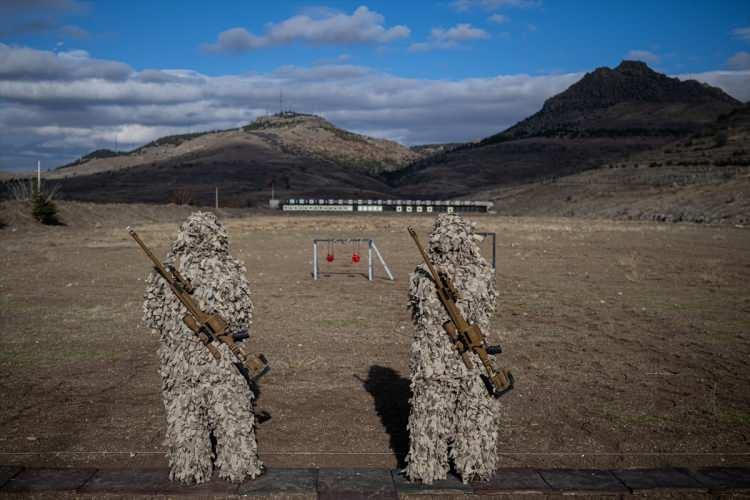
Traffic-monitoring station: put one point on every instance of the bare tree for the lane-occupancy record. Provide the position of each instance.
(25, 190)
(181, 196)
(21, 189)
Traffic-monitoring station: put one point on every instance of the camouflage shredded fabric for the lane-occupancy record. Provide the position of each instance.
(205, 400)
(453, 417)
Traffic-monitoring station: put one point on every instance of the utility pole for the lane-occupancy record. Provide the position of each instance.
(217, 197)
(38, 176)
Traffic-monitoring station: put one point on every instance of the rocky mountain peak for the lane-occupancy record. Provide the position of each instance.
(633, 81)
(286, 119)
(639, 68)
(631, 98)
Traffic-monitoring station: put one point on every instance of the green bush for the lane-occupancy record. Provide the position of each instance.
(43, 209)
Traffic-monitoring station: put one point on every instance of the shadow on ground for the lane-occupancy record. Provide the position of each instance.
(391, 393)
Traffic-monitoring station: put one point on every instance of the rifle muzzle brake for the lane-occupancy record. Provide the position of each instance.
(511, 381)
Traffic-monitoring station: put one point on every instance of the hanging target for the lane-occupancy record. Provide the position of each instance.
(358, 245)
(355, 253)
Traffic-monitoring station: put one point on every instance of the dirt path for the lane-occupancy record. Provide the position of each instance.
(629, 342)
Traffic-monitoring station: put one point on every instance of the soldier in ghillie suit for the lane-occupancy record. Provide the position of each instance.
(453, 417)
(208, 402)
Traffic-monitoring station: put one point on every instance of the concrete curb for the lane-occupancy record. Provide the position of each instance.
(24, 482)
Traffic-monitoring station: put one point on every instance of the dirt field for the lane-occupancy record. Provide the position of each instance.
(629, 340)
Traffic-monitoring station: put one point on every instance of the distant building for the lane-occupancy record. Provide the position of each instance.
(395, 206)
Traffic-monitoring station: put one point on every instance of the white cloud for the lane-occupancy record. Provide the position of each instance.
(498, 19)
(742, 33)
(741, 60)
(329, 27)
(464, 5)
(459, 33)
(169, 75)
(236, 40)
(734, 83)
(643, 55)
(441, 38)
(322, 72)
(17, 63)
(61, 119)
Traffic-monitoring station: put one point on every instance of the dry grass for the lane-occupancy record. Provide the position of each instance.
(630, 265)
(624, 352)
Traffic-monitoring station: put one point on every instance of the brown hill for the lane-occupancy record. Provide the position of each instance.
(306, 136)
(702, 178)
(298, 155)
(631, 99)
(244, 173)
(606, 116)
(595, 134)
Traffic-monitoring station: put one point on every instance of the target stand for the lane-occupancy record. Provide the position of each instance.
(493, 237)
(356, 243)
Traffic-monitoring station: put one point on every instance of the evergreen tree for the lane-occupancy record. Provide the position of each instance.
(42, 208)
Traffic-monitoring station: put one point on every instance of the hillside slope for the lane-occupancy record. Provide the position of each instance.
(631, 99)
(285, 134)
(295, 154)
(244, 174)
(702, 178)
(607, 116)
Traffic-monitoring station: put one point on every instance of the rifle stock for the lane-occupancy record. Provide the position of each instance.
(207, 327)
(464, 336)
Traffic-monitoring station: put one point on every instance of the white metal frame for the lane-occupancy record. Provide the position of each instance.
(370, 247)
(494, 246)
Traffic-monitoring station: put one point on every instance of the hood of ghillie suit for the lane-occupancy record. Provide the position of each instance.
(201, 234)
(452, 241)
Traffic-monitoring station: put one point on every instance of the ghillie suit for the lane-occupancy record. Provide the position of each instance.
(453, 416)
(207, 401)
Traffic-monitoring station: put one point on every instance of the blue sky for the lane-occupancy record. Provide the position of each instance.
(532, 37)
(390, 69)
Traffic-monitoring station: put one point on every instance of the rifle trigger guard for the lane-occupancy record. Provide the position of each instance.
(494, 349)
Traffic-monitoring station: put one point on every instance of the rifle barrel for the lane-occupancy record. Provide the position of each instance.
(181, 295)
(426, 259)
(157, 263)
